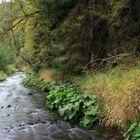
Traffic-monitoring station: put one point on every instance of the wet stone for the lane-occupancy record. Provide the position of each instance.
(21, 128)
(8, 106)
(30, 93)
(30, 123)
(23, 124)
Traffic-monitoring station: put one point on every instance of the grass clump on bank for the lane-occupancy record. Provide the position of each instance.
(9, 69)
(3, 76)
(66, 99)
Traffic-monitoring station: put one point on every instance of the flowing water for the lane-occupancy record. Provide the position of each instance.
(23, 116)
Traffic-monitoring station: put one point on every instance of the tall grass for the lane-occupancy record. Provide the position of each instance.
(119, 89)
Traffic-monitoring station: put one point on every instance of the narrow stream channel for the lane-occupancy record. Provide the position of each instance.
(23, 116)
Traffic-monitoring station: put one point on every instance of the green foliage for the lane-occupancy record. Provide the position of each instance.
(111, 2)
(3, 76)
(14, 17)
(73, 106)
(32, 81)
(10, 69)
(7, 57)
(71, 34)
(66, 46)
(69, 103)
(133, 133)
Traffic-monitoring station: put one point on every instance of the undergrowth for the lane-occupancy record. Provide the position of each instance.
(117, 88)
(68, 101)
(133, 133)
(9, 69)
(2, 76)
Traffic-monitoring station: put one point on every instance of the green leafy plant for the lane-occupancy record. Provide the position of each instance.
(73, 106)
(133, 133)
(112, 2)
(68, 101)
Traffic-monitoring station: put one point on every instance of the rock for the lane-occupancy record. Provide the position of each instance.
(2, 107)
(11, 127)
(30, 93)
(30, 123)
(8, 106)
(21, 125)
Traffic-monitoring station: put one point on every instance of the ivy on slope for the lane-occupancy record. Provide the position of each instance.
(66, 99)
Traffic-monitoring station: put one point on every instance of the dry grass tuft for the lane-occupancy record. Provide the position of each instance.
(121, 95)
(25, 68)
(47, 75)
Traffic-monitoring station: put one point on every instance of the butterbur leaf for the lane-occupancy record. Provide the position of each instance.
(133, 133)
(61, 111)
(57, 102)
(50, 105)
(77, 104)
(61, 94)
(68, 107)
(72, 115)
(86, 122)
(67, 101)
(136, 133)
(132, 127)
(86, 104)
(92, 111)
(70, 94)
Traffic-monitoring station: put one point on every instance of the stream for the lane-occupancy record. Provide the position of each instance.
(23, 116)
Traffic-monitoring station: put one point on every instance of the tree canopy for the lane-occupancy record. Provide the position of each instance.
(70, 35)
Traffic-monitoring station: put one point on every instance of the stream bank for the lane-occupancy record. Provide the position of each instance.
(24, 116)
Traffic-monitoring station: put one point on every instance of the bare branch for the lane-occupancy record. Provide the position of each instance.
(22, 19)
